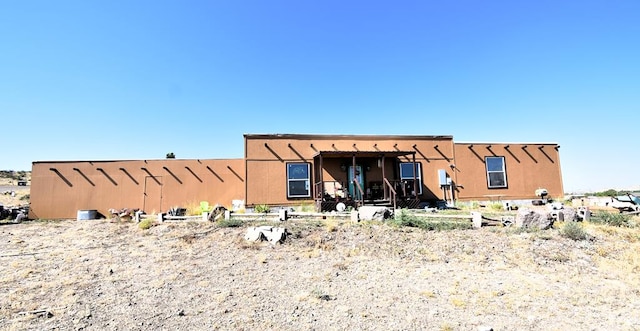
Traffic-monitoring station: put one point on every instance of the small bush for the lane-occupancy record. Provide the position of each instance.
(262, 209)
(25, 197)
(404, 218)
(145, 224)
(306, 208)
(573, 230)
(193, 208)
(230, 223)
(613, 219)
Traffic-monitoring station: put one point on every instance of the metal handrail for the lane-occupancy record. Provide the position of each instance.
(357, 185)
(393, 192)
(319, 190)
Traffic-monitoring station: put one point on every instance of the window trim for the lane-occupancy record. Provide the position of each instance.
(307, 180)
(503, 171)
(418, 174)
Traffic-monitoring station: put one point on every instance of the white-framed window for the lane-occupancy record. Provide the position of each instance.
(298, 180)
(406, 175)
(496, 171)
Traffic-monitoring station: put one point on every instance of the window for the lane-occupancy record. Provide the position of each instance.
(298, 178)
(496, 174)
(406, 176)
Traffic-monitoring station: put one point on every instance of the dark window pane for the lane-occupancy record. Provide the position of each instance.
(406, 170)
(496, 179)
(298, 188)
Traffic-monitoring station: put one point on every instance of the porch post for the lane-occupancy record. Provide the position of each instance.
(385, 189)
(415, 182)
(355, 186)
(320, 194)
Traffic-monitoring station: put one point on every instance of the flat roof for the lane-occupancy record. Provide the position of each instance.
(346, 136)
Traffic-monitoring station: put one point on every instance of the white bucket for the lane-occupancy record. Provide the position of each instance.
(84, 215)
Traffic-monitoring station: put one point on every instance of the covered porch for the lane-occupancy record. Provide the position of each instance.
(357, 178)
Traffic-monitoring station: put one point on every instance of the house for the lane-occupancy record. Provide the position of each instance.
(403, 171)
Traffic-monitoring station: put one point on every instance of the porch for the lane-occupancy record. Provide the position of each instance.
(358, 178)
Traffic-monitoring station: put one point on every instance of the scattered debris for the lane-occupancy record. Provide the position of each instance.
(40, 312)
(217, 213)
(124, 213)
(269, 233)
(18, 214)
(374, 213)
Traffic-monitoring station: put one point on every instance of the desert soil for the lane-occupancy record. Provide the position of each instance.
(103, 275)
(6, 199)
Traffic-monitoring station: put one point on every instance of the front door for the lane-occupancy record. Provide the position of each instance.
(359, 177)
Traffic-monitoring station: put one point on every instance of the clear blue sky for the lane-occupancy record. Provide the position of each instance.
(133, 79)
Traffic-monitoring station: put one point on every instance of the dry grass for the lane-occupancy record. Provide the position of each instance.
(102, 275)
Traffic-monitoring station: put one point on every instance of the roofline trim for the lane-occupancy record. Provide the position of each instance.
(503, 143)
(346, 136)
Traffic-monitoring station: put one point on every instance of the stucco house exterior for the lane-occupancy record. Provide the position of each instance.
(293, 169)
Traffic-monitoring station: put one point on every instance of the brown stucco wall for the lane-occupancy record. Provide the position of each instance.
(60, 189)
(267, 155)
(528, 167)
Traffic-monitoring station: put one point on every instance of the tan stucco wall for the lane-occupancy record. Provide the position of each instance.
(61, 192)
(267, 155)
(60, 189)
(528, 167)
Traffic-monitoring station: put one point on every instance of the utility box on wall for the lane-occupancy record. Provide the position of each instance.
(442, 178)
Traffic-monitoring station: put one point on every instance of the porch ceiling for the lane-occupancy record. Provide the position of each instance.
(342, 154)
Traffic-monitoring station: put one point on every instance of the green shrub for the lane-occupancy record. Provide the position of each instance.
(573, 230)
(467, 205)
(145, 224)
(405, 218)
(262, 209)
(613, 219)
(25, 197)
(230, 223)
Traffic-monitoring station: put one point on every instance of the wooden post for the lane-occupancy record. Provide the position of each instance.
(355, 217)
(283, 214)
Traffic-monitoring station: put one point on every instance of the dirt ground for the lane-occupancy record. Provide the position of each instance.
(102, 275)
(17, 199)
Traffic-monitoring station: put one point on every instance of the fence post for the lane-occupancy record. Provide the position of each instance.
(205, 216)
(227, 215)
(355, 217)
(476, 218)
(161, 217)
(282, 213)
